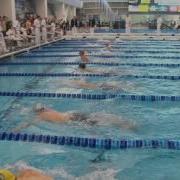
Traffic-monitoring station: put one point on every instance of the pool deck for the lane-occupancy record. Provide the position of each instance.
(11, 54)
(103, 36)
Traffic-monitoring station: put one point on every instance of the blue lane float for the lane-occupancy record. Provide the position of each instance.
(93, 143)
(99, 56)
(116, 43)
(114, 47)
(120, 51)
(53, 75)
(152, 77)
(57, 63)
(85, 75)
(92, 63)
(145, 98)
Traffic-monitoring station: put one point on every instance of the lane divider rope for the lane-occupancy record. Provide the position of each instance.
(102, 44)
(150, 98)
(114, 47)
(55, 75)
(117, 43)
(93, 63)
(152, 77)
(95, 40)
(100, 56)
(120, 51)
(86, 75)
(93, 143)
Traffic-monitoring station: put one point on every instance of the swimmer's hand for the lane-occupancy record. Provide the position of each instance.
(23, 126)
(128, 126)
(100, 157)
(107, 87)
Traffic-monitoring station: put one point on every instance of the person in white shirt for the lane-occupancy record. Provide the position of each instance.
(24, 31)
(37, 27)
(1, 20)
(128, 24)
(24, 34)
(3, 48)
(177, 23)
(53, 29)
(44, 30)
(12, 38)
(11, 34)
(159, 24)
(17, 26)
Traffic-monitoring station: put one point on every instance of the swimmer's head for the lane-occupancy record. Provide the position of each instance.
(108, 44)
(6, 175)
(39, 108)
(83, 53)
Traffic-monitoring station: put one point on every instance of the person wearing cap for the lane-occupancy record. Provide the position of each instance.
(27, 174)
(84, 61)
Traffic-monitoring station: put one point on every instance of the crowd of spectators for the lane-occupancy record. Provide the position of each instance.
(34, 30)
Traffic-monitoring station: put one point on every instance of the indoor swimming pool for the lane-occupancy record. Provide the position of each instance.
(133, 95)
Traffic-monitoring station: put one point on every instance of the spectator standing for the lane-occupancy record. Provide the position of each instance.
(37, 26)
(53, 29)
(128, 24)
(44, 29)
(17, 26)
(159, 24)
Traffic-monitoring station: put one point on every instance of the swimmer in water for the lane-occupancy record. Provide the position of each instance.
(88, 85)
(83, 64)
(84, 56)
(108, 46)
(107, 50)
(27, 174)
(46, 114)
(84, 60)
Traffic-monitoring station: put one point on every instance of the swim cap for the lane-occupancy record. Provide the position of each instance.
(38, 107)
(6, 175)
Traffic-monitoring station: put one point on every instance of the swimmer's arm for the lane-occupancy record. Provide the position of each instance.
(88, 85)
(24, 126)
(107, 86)
(128, 126)
(29, 174)
(91, 70)
(100, 71)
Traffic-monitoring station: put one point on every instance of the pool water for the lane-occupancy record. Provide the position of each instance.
(152, 120)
